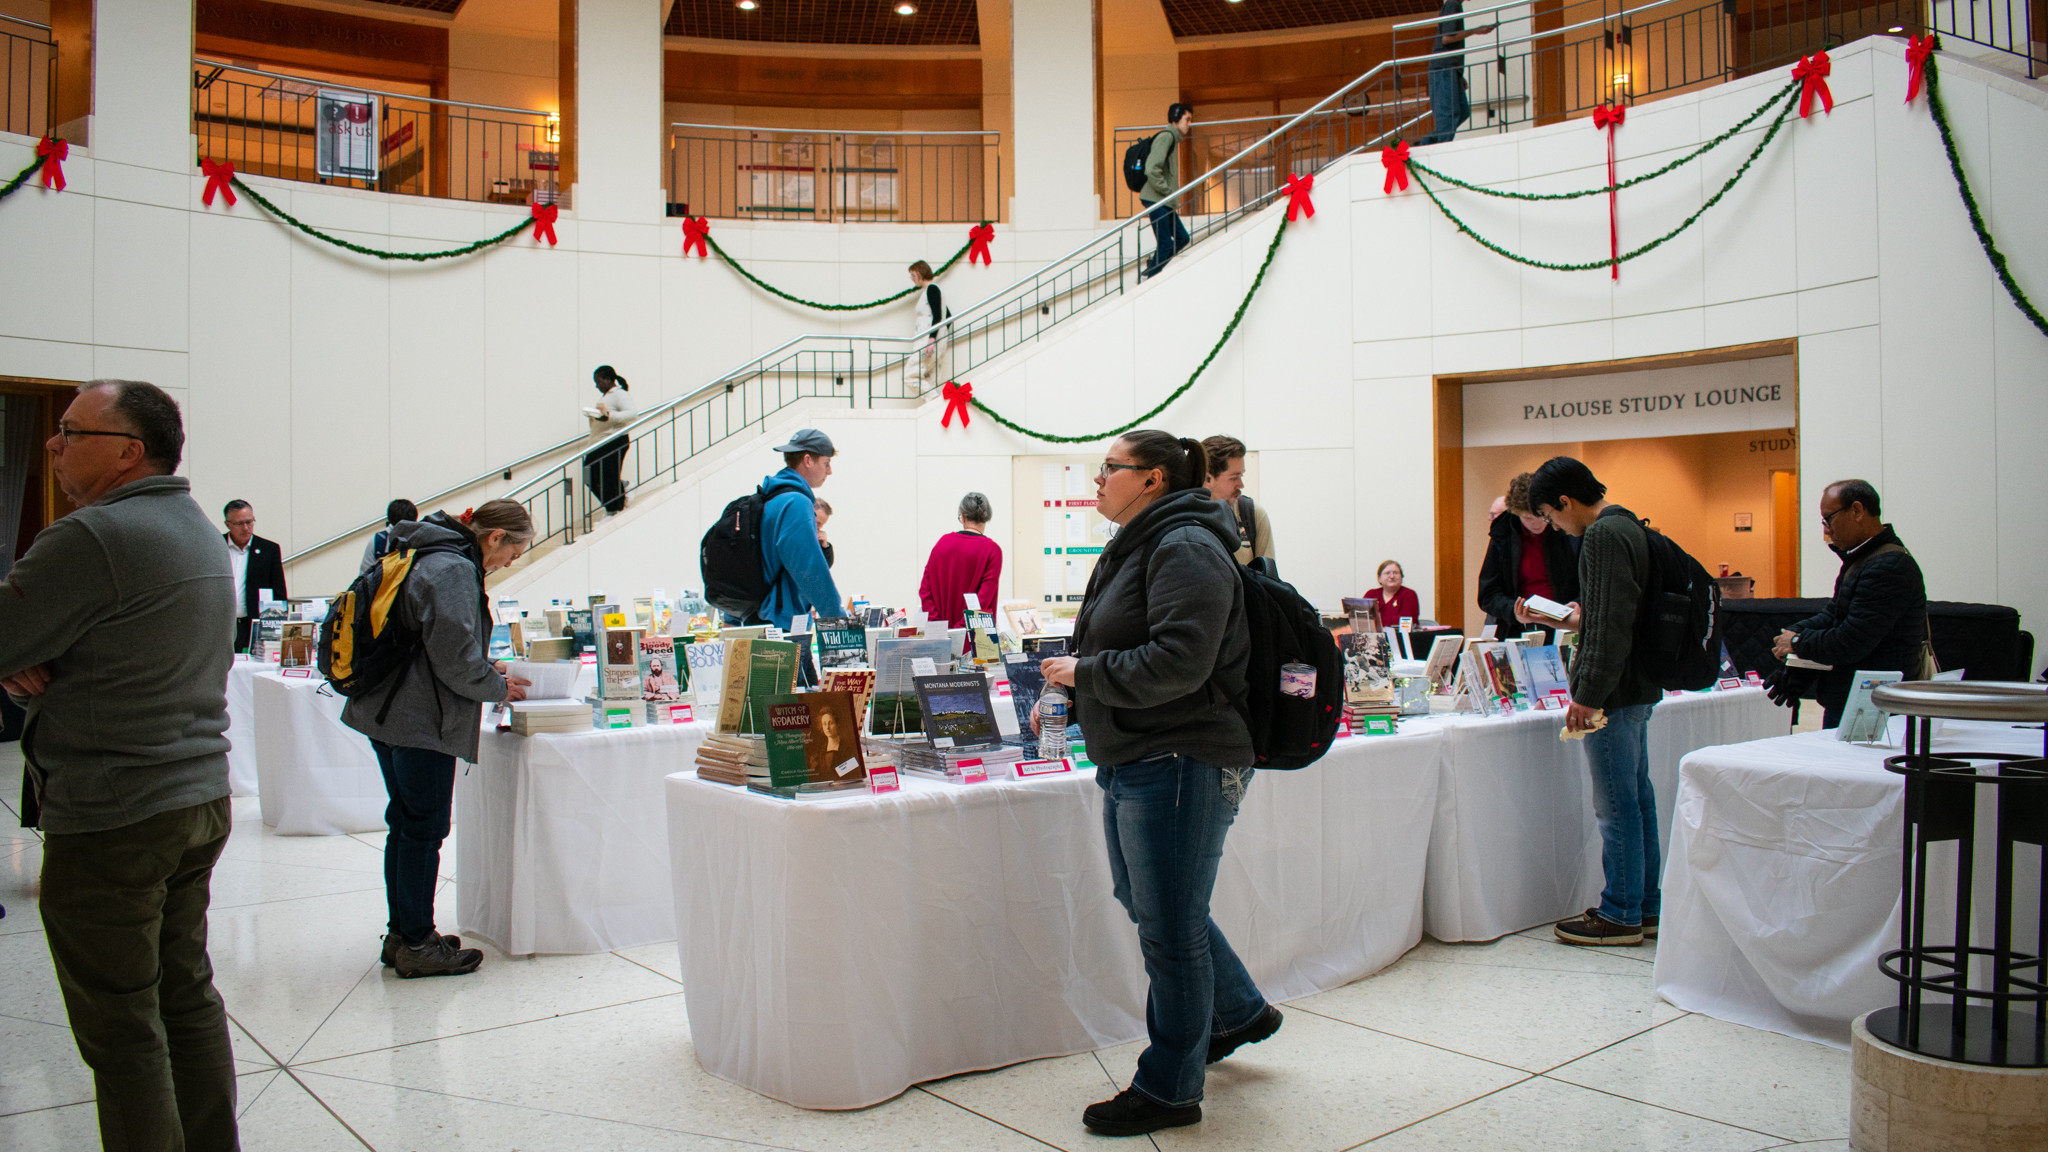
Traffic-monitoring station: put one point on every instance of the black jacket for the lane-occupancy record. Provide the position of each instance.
(1500, 573)
(266, 570)
(1875, 622)
(1162, 639)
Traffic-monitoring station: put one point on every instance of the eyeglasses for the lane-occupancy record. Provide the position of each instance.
(1827, 518)
(1110, 466)
(71, 435)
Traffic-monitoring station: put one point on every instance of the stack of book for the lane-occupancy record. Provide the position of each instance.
(951, 763)
(534, 716)
(727, 758)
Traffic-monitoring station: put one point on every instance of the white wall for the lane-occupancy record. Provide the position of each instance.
(320, 385)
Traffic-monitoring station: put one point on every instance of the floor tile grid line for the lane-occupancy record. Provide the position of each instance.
(1526, 1077)
(296, 1063)
(329, 1109)
(1543, 934)
(1516, 1069)
(985, 1116)
(549, 1112)
(1520, 968)
(649, 967)
(370, 970)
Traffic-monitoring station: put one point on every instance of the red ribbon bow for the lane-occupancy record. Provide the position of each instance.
(1918, 49)
(1395, 160)
(219, 174)
(957, 398)
(1298, 188)
(696, 230)
(544, 222)
(978, 238)
(53, 153)
(1813, 72)
(1610, 117)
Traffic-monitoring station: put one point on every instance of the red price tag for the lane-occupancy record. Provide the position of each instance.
(882, 779)
(299, 673)
(1026, 769)
(972, 772)
(681, 713)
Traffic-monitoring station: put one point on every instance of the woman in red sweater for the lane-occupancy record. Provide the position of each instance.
(1395, 602)
(962, 562)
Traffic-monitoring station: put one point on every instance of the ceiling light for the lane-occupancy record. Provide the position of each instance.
(746, 5)
(906, 9)
(1621, 79)
(1900, 28)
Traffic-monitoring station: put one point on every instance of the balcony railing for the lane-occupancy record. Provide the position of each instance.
(268, 123)
(844, 177)
(29, 72)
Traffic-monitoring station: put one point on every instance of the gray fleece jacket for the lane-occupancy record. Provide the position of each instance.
(131, 603)
(439, 704)
(1162, 639)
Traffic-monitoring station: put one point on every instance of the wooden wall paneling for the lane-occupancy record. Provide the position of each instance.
(819, 82)
(1314, 68)
(565, 103)
(71, 28)
(1449, 429)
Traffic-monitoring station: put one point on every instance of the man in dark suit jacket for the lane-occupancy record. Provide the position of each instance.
(258, 564)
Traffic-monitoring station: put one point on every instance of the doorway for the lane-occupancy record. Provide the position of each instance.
(30, 500)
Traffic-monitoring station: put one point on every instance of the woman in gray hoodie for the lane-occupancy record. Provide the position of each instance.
(1161, 647)
(432, 714)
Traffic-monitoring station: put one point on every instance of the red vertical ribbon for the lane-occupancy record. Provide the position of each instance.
(1395, 161)
(219, 177)
(53, 153)
(544, 222)
(695, 230)
(1610, 117)
(1918, 49)
(957, 398)
(1298, 188)
(1812, 72)
(978, 238)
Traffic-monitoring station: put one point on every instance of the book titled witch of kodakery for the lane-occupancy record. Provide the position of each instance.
(812, 744)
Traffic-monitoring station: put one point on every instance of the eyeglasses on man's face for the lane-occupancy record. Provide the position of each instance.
(74, 435)
(1827, 518)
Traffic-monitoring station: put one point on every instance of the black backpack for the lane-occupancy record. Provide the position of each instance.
(1676, 642)
(1288, 732)
(730, 558)
(1134, 163)
(364, 642)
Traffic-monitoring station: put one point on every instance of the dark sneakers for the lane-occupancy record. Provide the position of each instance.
(391, 947)
(1649, 927)
(1595, 930)
(435, 958)
(1267, 1023)
(1132, 1113)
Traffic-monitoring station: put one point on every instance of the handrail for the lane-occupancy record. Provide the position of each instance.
(30, 23)
(339, 85)
(842, 131)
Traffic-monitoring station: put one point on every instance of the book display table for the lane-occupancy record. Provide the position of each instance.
(564, 845)
(837, 951)
(1781, 889)
(316, 777)
(242, 774)
(1514, 843)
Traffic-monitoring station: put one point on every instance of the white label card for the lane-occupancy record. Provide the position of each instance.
(971, 771)
(973, 600)
(1027, 769)
(923, 666)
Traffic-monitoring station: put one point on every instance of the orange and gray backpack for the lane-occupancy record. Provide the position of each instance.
(364, 643)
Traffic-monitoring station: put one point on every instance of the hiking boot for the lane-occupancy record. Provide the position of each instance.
(1649, 927)
(1267, 1023)
(391, 944)
(436, 958)
(1132, 1113)
(1598, 931)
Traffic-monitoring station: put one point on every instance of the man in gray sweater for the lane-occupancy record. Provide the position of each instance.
(1611, 702)
(116, 633)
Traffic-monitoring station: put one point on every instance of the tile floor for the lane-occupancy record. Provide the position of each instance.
(1522, 1044)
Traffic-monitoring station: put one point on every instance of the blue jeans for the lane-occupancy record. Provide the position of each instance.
(1164, 820)
(1625, 806)
(1448, 104)
(421, 784)
(1169, 235)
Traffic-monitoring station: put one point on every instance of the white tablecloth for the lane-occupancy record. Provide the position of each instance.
(1515, 844)
(838, 951)
(242, 773)
(316, 777)
(564, 844)
(1782, 887)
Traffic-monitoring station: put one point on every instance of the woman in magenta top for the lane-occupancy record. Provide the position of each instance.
(1395, 602)
(962, 562)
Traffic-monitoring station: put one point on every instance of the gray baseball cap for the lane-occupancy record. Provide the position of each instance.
(812, 441)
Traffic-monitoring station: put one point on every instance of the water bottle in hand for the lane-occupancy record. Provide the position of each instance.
(1052, 723)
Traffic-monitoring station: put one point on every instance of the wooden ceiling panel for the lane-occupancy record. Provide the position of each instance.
(940, 23)
(1222, 18)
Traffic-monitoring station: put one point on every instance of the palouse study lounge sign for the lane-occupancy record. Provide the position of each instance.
(1739, 396)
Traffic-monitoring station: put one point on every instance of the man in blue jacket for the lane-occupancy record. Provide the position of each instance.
(792, 561)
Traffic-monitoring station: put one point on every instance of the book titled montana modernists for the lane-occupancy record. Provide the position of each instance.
(956, 708)
(812, 743)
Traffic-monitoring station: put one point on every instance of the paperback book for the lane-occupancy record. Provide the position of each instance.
(896, 710)
(662, 678)
(842, 643)
(618, 664)
(1548, 683)
(812, 745)
(957, 710)
(582, 629)
(1027, 683)
(858, 683)
(1368, 668)
(756, 670)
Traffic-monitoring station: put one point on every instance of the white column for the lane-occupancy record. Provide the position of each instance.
(619, 133)
(142, 83)
(1052, 71)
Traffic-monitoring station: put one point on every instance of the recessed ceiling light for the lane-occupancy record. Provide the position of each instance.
(1898, 29)
(906, 9)
(746, 5)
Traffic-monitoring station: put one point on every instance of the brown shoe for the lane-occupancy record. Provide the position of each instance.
(391, 944)
(1649, 927)
(1595, 930)
(435, 958)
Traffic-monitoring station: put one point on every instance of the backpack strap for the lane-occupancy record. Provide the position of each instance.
(1247, 525)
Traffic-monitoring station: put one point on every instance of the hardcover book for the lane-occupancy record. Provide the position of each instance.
(662, 678)
(1547, 679)
(957, 710)
(858, 683)
(1368, 668)
(755, 671)
(812, 743)
(842, 642)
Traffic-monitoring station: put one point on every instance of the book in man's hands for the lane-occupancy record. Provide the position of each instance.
(1547, 608)
(755, 671)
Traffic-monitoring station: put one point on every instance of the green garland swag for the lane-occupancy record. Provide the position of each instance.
(1177, 393)
(772, 290)
(1688, 158)
(1955, 165)
(1688, 222)
(379, 253)
(22, 177)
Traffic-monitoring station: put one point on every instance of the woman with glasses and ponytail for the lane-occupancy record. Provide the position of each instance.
(1158, 673)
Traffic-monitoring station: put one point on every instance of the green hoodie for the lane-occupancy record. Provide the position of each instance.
(131, 603)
